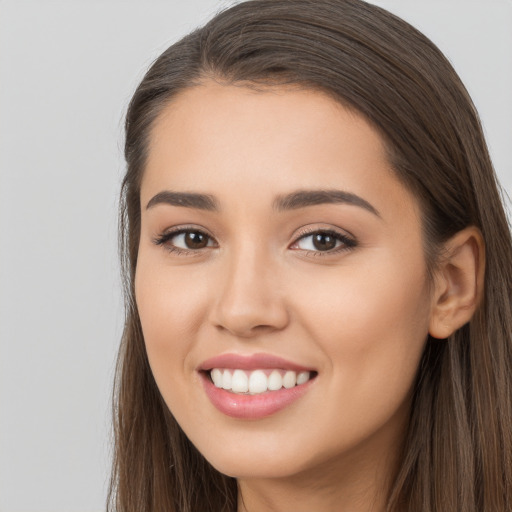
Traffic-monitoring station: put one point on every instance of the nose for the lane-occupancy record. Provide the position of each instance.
(250, 301)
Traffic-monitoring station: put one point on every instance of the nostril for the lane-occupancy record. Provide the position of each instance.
(244, 328)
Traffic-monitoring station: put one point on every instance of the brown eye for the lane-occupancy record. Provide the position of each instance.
(324, 241)
(185, 240)
(195, 239)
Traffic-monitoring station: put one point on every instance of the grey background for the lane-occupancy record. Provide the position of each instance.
(67, 70)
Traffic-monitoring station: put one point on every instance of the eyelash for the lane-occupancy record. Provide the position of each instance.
(164, 238)
(347, 242)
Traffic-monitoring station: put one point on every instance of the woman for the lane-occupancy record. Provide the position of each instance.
(318, 274)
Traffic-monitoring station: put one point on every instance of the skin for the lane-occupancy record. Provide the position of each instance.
(358, 315)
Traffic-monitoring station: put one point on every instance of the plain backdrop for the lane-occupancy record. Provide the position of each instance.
(67, 71)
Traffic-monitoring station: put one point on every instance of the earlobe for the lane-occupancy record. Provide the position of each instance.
(459, 283)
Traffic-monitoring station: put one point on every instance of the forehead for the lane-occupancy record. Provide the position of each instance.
(221, 139)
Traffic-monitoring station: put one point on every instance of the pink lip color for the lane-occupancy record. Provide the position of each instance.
(252, 362)
(251, 407)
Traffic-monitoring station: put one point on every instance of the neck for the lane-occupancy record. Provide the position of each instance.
(301, 494)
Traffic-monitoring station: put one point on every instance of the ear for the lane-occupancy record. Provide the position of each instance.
(459, 283)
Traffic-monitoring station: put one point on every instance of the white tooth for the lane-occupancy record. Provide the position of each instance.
(216, 375)
(226, 379)
(275, 381)
(289, 380)
(257, 382)
(240, 382)
(302, 378)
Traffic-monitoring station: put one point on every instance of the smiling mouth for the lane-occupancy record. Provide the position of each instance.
(255, 386)
(255, 382)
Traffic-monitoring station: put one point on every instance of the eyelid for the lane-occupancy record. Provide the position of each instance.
(163, 239)
(322, 228)
(347, 239)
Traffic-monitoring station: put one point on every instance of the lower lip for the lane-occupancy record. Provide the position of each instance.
(252, 407)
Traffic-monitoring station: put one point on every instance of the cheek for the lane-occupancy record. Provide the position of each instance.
(372, 325)
(170, 311)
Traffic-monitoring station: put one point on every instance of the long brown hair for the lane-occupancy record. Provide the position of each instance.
(457, 456)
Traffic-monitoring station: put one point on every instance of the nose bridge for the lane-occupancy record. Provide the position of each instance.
(249, 299)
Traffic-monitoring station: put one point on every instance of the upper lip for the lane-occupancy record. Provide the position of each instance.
(251, 362)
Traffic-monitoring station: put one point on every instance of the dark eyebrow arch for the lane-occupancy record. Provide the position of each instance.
(185, 200)
(304, 198)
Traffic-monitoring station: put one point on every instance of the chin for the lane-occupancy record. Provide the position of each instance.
(259, 460)
(242, 467)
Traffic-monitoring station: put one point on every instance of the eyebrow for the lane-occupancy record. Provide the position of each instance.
(292, 201)
(184, 199)
(304, 198)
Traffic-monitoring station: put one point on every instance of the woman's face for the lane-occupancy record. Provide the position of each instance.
(275, 237)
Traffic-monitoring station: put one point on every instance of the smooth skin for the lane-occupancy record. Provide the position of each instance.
(248, 277)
